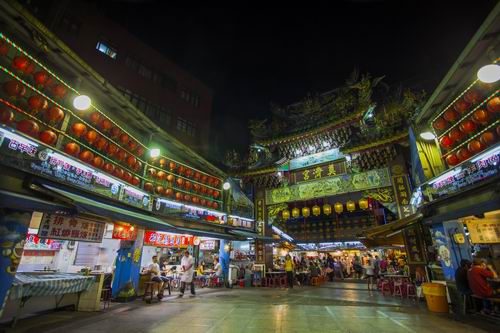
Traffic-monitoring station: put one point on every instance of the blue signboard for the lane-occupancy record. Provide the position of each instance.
(324, 156)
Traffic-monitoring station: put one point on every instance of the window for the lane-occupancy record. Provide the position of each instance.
(152, 110)
(190, 97)
(107, 50)
(150, 73)
(87, 254)
(186, 126)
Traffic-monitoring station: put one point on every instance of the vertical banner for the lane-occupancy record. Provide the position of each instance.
(261, 228)
(414, 245)
(401, 187)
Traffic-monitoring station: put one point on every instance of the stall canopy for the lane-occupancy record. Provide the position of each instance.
(253, 235)
(86, 205)
(388, 234)
(25, 202)
(203, 233)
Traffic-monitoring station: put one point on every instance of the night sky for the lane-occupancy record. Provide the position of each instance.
(252, 57)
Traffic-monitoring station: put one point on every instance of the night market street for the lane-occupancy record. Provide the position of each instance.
(333, 307)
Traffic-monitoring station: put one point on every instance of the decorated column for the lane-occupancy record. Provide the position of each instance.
(13, 230)
(128, 266)
(224, 250)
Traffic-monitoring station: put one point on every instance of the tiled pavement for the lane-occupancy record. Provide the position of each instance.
(334, 307)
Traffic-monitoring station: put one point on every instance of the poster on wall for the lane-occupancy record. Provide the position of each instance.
(484, 231)
(163, 239)
(71, 228)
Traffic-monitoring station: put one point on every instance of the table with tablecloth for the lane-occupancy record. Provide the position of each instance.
(31, 285)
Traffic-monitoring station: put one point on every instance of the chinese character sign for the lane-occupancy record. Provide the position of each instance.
(163, 239)
(71, 228)
(124, 232)
(484, 231)
(321, 171)
(402, 193)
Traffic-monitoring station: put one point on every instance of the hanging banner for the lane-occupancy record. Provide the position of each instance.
(414, 245)
(163, 239)
(124, 232)
(320, 171)
(71, 228)
(325, 156)
(402, 191)
(330, 186)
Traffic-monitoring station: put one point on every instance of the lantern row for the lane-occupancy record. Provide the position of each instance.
(327, 209)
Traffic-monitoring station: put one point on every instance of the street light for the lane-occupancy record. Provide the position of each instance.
(427, 135)
(154, 153)
(489, 73)
(226, 186)
(82, 102)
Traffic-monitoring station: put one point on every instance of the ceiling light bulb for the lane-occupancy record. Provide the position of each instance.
(82, 102)
(489, 73)
(427, 136)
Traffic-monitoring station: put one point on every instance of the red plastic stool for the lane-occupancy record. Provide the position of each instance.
(386, 287)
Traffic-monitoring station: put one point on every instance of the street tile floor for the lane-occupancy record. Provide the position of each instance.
(333, 307)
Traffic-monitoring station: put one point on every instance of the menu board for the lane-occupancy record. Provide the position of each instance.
(485, 231)
(172, 208)
(208, 245)
(163, 239)
(21, 153)
(414, 245)
(71, 228)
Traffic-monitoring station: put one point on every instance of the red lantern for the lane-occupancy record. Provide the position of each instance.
(72, 149)
(109, 168)
(202, 202)
(6, 116)
(115, 132)
(169, 192)
(111, 149)
(498, 130)
(138, 166)
(98, 162)
(216, 194)
(28, 127)
(41, 78)
(180, 181)
(127, 176)
(152, 172)
(178, 196)
(171, 166)
(118, 173)
(203, 189)
(187, 185)
(124, 138)
(480, 116)
(204, 179)
(162, 162)
(139, 151)
(456, 135)
(4, 48)
(493, 105)
(487, 139)
(106, 124)
(468, 126)
(197, 175)
(473, 96)
(461, 106)
(20, 63)
(95, 118)
(170, 178)
(446, 142)
(195, 200)
(210, 191)
(12, 88)
(58, 90)
(121, 155)
(159, 189)
(86, 156)
(463, 154)
(181, 169)
(216, 183)
(101, 144)
(48, 137)
(196, 187)
(161, 175)
(132, 145)
(215, 205)
(187, 197)
(135, 180)
(30, 69)
(78, 129)
(148, 187)
(91, 136)
(54, 115)
(450, 115)
(189, 172)
(440, 124)
(475, 146)
(37, 103)
(131, 160)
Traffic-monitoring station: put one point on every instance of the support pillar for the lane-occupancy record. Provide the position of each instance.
(128, 267)
(224, 257)
(13, 230)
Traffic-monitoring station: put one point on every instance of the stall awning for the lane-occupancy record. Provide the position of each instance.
(20, 201)
(87, 205)
(203, 233)
(253, 235)
(388, 234)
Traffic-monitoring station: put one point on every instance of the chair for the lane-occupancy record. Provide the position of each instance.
(411, 291)
(106, 297)
(398, 288)
(149, 290)
(283, 281)
(386, 287)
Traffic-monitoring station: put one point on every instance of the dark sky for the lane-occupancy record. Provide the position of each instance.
(252, 56)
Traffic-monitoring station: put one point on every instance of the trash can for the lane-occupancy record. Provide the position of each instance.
(435, 295)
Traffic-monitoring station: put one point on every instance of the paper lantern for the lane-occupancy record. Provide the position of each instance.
(58, 90)
(316, 210)
(180, 181)
(139, 151)
(72, 149)
(295, 212)
(306, 212)
(171, 166)
(12, 88)
(450, 115)
(285, 214)
(468, 126)
(6, 116)
(132, 145)
(91, 136)
(135, 180)
(161, 175)
(169, 192)
(101, 144)
(54, 115)
(475, 146)
(124, 138)
(28, 127)
(86, 156)
(78, 129)
(159, 189)
(493, 105)
(170, 178)
(37, 104)
(118, 173)
(363, 203)
(446, 142)
(111, 149)
(115, 132)
(487, 138)
(162, 162)
(131, 160)
(327, 209)
(105, 124)
(98, 162)
(109, 168)
(480, 116)
(41, 78)
(452, 159)
(148, 187)
(121, 155)
(473, 96)
(20, 63)
(95, 117)
(178, 196)
(440, 124)
(463, 154)
(48, 137)
(456, 135)
(350, 205)
(339, 207)
(461, 106)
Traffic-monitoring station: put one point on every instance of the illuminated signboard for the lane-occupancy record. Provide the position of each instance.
(208, 245)
(24, 154)
(163, 239)
(484, 231)
(325, 156)
(240, 222)
(171, 208)
(71, 228)
(33, 242)
(124, 232)
(320, 171)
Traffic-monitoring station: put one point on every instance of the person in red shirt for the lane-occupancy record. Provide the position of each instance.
(477, 276)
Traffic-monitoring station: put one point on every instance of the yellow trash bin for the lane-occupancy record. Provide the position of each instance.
(435, 295)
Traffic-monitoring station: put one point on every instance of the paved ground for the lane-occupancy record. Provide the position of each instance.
(334, 307)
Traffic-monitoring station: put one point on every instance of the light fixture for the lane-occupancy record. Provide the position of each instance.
(427, 135)
(279, 174)
(154, 153)
(489, 73)
(325, 144)
(226, 186)
(82, 102)
(311, 148)
(297, 152)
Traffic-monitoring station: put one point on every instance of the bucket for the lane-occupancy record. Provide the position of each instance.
(435, 295)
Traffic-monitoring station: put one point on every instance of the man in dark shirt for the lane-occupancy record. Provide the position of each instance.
(461, 277)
